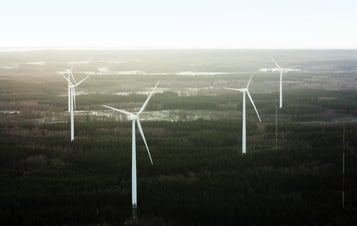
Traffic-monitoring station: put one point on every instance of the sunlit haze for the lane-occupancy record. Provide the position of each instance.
(315, 24)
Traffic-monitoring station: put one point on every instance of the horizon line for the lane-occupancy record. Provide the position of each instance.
(117, 48)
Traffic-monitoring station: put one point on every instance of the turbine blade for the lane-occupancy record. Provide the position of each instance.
(147, 100)
(78, 83)
(142, 135)
(70, 71)
(276, 63)
(234, 89)
(72, 76)
(251, 100)
(119, 110)
(66, 79)
(250, 79)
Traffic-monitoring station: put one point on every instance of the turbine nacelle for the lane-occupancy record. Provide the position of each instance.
(133, 117)
(243, 90)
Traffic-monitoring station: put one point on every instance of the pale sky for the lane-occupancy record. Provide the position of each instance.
(286, 24)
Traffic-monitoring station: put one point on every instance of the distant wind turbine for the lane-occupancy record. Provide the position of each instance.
(245, 91)
(72, 98)
(135, 118)
(281, 70)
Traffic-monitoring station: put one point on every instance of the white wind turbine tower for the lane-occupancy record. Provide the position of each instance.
(72, 99)
(245, 91)
(135, 118)
(281, 70)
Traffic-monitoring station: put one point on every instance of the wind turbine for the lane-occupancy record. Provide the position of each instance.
(281, 70)
(72, 98)
(135, 118)
(245, 91)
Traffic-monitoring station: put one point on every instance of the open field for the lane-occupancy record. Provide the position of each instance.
(193, 128)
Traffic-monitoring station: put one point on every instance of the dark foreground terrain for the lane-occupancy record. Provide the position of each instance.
(199, 176)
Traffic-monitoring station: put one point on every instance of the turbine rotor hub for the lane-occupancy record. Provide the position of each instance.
(243, 90)
(133, 117)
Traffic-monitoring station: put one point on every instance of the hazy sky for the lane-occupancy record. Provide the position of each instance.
(179, 23)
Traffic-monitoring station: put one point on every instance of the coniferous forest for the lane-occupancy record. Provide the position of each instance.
(291, 174)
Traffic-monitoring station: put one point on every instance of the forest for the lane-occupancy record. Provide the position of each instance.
(292, 173)
(199, 176)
